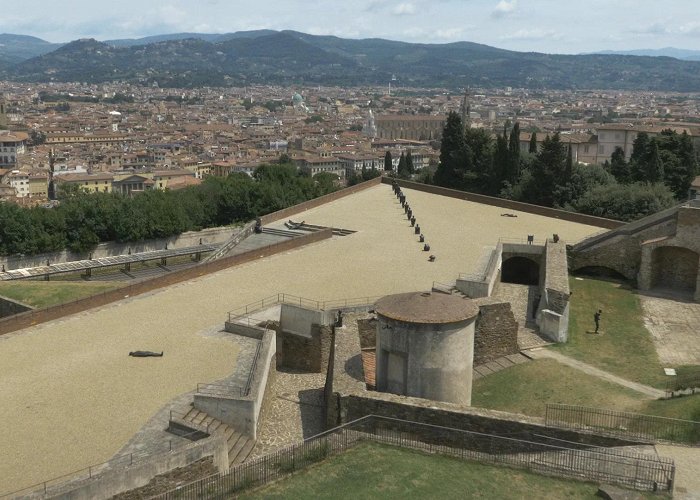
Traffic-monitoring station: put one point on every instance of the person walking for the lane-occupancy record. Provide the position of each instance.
(596, 318)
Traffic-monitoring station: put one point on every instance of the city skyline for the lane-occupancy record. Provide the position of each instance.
(522, 25)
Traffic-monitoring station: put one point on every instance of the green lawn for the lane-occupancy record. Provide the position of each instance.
(624, 347)
(48, 293)
(371, 470)
(526, 388)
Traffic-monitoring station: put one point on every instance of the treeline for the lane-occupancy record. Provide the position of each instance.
(81, 220)
(657, 176)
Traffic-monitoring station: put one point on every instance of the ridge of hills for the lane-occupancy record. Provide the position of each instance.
(291, 57)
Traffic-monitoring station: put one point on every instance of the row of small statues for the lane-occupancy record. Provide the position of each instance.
(409, 215)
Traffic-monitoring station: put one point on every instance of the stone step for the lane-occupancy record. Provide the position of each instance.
(215, 426)
(245, 452)
(188, 415)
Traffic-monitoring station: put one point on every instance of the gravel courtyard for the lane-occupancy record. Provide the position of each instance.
(70, 396)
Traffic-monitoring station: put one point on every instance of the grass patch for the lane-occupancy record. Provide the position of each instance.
(684, 408)
(625, 347)
(526, 388)
(49, 293)
(371, 470)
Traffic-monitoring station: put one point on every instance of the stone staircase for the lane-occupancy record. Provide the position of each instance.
(239, 446)
(448, 288)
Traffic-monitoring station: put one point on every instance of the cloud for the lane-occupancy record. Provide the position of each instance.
(534, 34)
(690, 29)
(404, 9)
(504, 8)
(651, 29)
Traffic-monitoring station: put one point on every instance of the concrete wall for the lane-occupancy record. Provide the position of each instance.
(251, 331)
(553, 310)
(298, 320)
(188, 239)
(510, 204)
(354, 406)
(32, 318)
(481, 283)
(242, 412)
(10, 307)
(321, 200)
(432, 361)
(120, 479)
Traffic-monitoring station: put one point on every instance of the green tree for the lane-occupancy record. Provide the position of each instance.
(452, 152)
(626, 202)
(639, 156)
(619, 168)
(402, 169)
(409, 163)
(388, 165)
(654, 167)
(532, 149)
(513, 171)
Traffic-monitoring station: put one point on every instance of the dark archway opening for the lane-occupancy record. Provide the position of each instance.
(600, 272)
(520, 270)
(675, 268)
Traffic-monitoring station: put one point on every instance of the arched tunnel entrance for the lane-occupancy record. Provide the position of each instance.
(520, 270)
(675, 268)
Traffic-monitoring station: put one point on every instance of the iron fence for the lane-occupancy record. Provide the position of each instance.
(286, 298)
(54, 485)
(624, 424)
(632, 470)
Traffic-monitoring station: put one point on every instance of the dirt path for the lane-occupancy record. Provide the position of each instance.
(646, 390)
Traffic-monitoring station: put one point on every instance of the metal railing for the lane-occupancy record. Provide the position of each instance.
(622, 424)
(286, 298)
(56, 484)
(632, 470)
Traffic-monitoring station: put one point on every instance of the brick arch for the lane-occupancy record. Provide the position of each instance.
(520, 270)
(674, 267)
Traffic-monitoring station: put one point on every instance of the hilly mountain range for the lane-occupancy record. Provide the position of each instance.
(290, 57)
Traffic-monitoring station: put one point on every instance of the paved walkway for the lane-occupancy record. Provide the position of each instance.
(499, 364)
(687, 461)
(648, 391)
(674, 327)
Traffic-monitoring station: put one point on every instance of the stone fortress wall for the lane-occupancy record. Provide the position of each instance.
(661, 250)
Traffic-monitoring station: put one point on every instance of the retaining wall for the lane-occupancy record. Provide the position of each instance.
(242, 412)
(9, 307)
(510, 204)
(108, 483)
(31, 318)
(109, 249)
(321, 200)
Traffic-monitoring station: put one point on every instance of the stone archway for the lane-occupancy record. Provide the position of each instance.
(520, 270)
(675, 268)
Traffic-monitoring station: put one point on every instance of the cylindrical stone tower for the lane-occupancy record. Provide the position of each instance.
(425, 346)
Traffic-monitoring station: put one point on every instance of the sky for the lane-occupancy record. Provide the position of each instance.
(550, 26)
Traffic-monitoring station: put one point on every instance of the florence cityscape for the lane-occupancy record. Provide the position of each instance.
(369, 250)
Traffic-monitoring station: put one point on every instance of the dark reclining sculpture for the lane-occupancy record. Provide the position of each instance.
(294, 225)
(146, 354)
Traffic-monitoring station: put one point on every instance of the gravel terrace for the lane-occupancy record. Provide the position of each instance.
(74, 397)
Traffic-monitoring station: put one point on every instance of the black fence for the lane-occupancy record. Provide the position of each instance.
(616, 423)
(632, 470)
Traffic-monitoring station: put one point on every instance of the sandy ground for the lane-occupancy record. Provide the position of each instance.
(70, 396)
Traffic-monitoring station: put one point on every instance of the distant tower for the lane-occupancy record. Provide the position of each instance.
(370, 128)
(52, 185)
(464, 110)
(3, 113)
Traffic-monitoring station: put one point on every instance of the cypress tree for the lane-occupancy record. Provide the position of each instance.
(409, 162)
(654, 165)
(388, 162)
(532, 149)
(451, 153)
(619, 168)
(514, 154)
